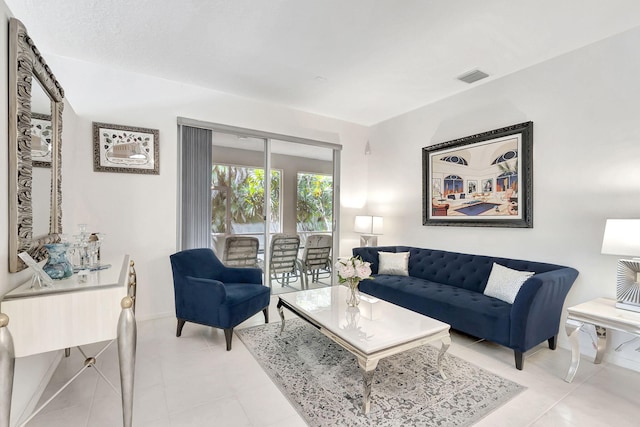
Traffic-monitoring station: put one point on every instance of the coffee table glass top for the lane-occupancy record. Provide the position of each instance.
(372, 326)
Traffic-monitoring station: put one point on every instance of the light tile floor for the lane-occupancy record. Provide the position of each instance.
(193, 381)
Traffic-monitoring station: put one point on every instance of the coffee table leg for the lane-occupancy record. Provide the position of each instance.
(281, 313)
(368, 368)
(446, 342)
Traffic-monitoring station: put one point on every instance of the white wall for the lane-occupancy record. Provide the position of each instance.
(586, 113)
(138, 212)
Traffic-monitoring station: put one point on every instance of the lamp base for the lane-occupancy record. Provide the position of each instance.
(368, 240)
(627, 287)
(627, 306)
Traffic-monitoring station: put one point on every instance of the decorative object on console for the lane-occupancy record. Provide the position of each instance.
(352, 271)
(369, 227)
(85, 250)
(57, 265)
(622, 237)
(118, 148)
(506, 165)
(40, 278)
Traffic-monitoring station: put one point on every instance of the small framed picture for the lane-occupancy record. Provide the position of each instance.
(41, 134)
(125, 149)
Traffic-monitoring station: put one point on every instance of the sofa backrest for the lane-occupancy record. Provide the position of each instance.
(451, 268)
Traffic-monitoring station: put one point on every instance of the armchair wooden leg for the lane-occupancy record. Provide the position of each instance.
(181, 323)
(266, 315)
(228, 334)
(519, 359)
(553, 342)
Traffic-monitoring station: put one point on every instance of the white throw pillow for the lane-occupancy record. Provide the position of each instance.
(504, 283)
(393, 263)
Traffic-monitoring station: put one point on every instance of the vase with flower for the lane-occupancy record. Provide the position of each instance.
(350, 273)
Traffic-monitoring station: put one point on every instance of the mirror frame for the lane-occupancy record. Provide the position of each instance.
(26, 63)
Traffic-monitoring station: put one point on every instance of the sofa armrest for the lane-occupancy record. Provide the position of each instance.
(536, 311)
(240, 275)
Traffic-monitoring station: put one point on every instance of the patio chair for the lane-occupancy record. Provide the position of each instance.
(241, 251)
(315, 258)
(282, 258)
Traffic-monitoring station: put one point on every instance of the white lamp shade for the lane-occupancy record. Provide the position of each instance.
(367, 224)
(621, 237)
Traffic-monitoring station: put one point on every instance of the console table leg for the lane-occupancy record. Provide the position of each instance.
(446, 342)
(572, 328)
(7, 364)
(127, 334)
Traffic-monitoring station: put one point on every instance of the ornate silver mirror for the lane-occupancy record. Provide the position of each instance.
(35, 155)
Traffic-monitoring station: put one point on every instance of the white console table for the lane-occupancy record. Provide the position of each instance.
(603, 314)
(70, 314)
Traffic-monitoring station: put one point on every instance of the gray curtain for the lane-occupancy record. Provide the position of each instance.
(196, 151)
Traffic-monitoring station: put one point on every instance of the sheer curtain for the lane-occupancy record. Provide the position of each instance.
(195, 195)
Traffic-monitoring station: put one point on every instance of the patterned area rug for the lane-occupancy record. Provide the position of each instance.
(324, 383)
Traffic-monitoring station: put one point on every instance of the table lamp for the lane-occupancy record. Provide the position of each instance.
(622, 237)
(370, 227)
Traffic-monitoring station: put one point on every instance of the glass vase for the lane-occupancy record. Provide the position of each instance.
(354, 294)
(57, 265)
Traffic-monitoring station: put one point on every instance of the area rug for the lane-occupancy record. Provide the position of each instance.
(477, 209)
(324, 383)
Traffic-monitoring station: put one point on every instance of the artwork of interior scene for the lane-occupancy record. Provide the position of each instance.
(479, 179)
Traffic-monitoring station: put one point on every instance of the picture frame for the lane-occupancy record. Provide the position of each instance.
(500, 160)
(125, 149)
(41, 140)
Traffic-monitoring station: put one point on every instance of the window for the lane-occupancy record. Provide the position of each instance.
(237, 200)
(314, 203)
(453, 184)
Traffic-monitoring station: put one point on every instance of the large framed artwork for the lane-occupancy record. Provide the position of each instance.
(483, 180)
(118, 148)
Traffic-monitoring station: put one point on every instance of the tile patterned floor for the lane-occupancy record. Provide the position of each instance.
(193, 381)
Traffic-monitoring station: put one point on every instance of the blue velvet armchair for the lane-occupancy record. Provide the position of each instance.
(209, 293)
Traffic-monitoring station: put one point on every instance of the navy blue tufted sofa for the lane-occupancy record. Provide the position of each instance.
(449, 286)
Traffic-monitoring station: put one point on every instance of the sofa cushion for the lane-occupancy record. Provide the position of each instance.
(469, 311)
(393, 263)
(504, 283)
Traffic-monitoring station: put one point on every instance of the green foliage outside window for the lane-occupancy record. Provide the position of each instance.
(241, 190)
(315, 202)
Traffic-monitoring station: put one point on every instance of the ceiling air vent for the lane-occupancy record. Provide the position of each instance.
(473, 76)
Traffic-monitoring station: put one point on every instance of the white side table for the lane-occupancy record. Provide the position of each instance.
(603, 314)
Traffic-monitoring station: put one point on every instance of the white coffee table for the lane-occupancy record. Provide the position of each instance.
(373, 330)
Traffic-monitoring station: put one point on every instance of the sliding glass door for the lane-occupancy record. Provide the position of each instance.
(264, 186)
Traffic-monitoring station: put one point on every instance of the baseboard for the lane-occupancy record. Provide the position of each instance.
(42, 385)
(155, 316)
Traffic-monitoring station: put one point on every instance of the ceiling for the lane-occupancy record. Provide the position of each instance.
(363, 61)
